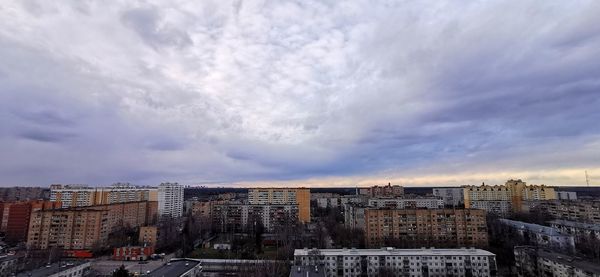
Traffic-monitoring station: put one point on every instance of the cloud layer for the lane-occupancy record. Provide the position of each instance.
(320, 92)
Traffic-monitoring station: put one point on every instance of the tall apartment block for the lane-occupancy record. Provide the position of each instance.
(507, 198)
(388, 261)
(283, 196)
(15, 216)
(88, 227)
(170, 200)
(420, 227)
(82, 195)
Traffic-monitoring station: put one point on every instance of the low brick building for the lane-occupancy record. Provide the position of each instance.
(133, 253)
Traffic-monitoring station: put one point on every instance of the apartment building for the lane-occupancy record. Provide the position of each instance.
(354, 216)
(541, 235)
(583, 211)
(204, 208)
(407, 203)
(245, 218)
(148, 235)
(507, 198)
(283, 196)
(566, 195)
(399, 262)
(577, 229)
(426, 227)
(85, 227)
(15, 216)
(83, 195)
(453, 197)
(386, 191)
(11, 194)
(533, 261)
(170, 200)
(339, 201)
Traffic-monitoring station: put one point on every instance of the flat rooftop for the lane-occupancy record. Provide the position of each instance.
(536, 228)
(390, 251)
(52, 269)
(175, 268)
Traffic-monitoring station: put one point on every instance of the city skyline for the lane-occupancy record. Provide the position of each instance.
(299, 93)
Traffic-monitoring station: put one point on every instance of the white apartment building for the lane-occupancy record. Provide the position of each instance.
(566, 195)
(400, 262)
(339, 201)
(542, 235)
(532, 261)
(577, 229)
(451, 196)
(170, 200)
(406, 203)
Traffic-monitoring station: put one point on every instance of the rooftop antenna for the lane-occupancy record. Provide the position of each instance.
(587, 179)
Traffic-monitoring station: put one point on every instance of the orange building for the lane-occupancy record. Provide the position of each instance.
(426, 227)
(15, 217)
(85, 227)
(283, 196)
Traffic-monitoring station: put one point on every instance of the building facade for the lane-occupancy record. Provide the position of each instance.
(566, 195)
(246, 218)
(577, 229)
(83, 195)
(532, 261)
(542, 235)
(583, 211)
(283, 196)
(12, 194)
(339, 201)
(15, 216)
(514, 193)
(386, 191)
(453, 197)
(399, 262)
(426, 227)
(85, 227)
(170, 200)
(354, 216)
(148, 235)
(132, 253)
(407, 203)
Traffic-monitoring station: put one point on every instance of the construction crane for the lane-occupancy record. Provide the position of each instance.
(587, 179)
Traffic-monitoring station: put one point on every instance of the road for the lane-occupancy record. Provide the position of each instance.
(105, 267)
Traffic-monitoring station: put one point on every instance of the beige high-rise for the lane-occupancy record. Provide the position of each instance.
(505, 198)
(283, 196)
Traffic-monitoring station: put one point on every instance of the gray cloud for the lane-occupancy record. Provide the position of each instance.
(223, 92)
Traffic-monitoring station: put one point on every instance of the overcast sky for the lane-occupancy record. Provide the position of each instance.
(299, 92)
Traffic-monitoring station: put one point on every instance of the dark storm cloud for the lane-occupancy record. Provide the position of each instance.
(46, 136)
(220, 91)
